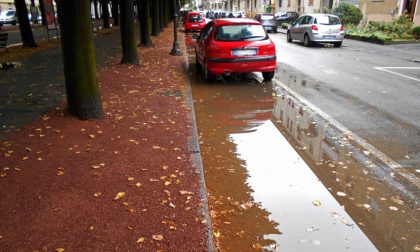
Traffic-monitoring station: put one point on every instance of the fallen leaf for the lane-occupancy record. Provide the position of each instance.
(140, 240)
(60, 250)
(185, 192)
(216, 234)
(341, 194)
(92, 136)
(157, 237)
(138, 184)
(119, 195)
(316, 203)
(257, 246)
(130, 178)
(97, 194)
(393, 208)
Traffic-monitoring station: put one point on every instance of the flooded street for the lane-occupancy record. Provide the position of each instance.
(281, 177)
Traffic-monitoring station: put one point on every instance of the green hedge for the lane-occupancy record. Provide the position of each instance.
(348, 13)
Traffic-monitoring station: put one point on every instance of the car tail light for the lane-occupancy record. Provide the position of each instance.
(271, 49)
(212, 48)
(342, 28)
(314, 28)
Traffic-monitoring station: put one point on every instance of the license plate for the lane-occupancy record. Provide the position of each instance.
(194, 25)
(247, 52)
(328, 36)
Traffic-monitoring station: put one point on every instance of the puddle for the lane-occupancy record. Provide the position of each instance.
(325, 194)
(373, 190)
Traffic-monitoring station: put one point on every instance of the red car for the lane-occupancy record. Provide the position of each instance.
(234, 45)
(194, 21)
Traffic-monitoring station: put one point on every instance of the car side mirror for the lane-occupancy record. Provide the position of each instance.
(195, 36)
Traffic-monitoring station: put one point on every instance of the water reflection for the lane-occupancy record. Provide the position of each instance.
(373, 193)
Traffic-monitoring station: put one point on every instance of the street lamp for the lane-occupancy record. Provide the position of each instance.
(175, 48)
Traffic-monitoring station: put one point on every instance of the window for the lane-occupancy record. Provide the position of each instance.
(194, 18)
(311, 2)
(288, 3)
(240, 32)
(206, 31)
(327, 20)
(280, 2)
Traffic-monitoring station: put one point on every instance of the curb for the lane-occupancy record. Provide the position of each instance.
(194, 148)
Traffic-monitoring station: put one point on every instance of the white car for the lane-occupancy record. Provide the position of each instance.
(318, 28)
(8, 17)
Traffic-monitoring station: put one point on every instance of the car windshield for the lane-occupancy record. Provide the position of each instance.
(240, 32)
(194, 18)
(327, 20)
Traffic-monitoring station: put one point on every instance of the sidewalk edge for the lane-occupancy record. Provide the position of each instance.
(194, 148)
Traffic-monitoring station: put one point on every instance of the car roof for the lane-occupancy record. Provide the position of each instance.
(227, 21)
(319, 15)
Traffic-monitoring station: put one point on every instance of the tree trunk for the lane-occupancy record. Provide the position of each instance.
(145, 39)
(95, 8)
(24, 25)
(160, 15)
(128, 38)
(115, 13)
(155, 18)
(42, 9)
(165, 13)
(83, 98)
(105, 14)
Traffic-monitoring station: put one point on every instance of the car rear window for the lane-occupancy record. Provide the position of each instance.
(195, 18)
(266, 17)
(240, 32)
(327, 20)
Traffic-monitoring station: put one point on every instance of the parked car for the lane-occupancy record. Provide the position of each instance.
(268, 21)
(319, 28)
(286, 17)
(239, 14)
(194, 21)
(234, 45)
(8, 17)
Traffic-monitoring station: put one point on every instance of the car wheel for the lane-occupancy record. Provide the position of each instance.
(207, 75)
(275, 31)
(289, 37)
(338, 44)
(268, 76)
(307, 41)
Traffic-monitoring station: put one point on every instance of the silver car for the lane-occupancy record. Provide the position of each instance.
(319, 28)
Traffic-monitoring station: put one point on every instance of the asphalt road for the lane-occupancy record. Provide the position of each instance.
(373, 90)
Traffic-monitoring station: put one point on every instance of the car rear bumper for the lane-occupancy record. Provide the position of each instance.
(242, 65)
(327, 37)
(192, 27)
(270, 28)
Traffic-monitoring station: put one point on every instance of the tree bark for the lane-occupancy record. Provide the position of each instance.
(155, 18)
(165, 14)
(24, 25)
(145, 39)
(105, 14)
(128, 38)
(115, 12)
(83, 98)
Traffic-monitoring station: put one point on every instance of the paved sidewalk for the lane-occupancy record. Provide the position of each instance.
(130, 182)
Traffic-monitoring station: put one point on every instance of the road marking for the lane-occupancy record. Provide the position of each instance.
(386, 69)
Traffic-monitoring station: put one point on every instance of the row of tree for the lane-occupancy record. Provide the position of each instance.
(75, 21)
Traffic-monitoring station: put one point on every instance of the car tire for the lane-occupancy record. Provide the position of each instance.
(268, 76)
(275, 30)
(338, 44)
(207, 75)
(289, 37)
(307, 41)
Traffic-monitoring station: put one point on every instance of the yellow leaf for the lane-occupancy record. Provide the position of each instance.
(24, 158)
(257, 246)
(316, 203)
(138, 184)
(157, 237)
(97, 194)
(130, 178)
(92, 136)
(119, 195)
(60, 250)
(140, 240)
(216, 234)
(168, 182)
(60, 173)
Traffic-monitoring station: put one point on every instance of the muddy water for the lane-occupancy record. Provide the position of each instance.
(263, 196)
